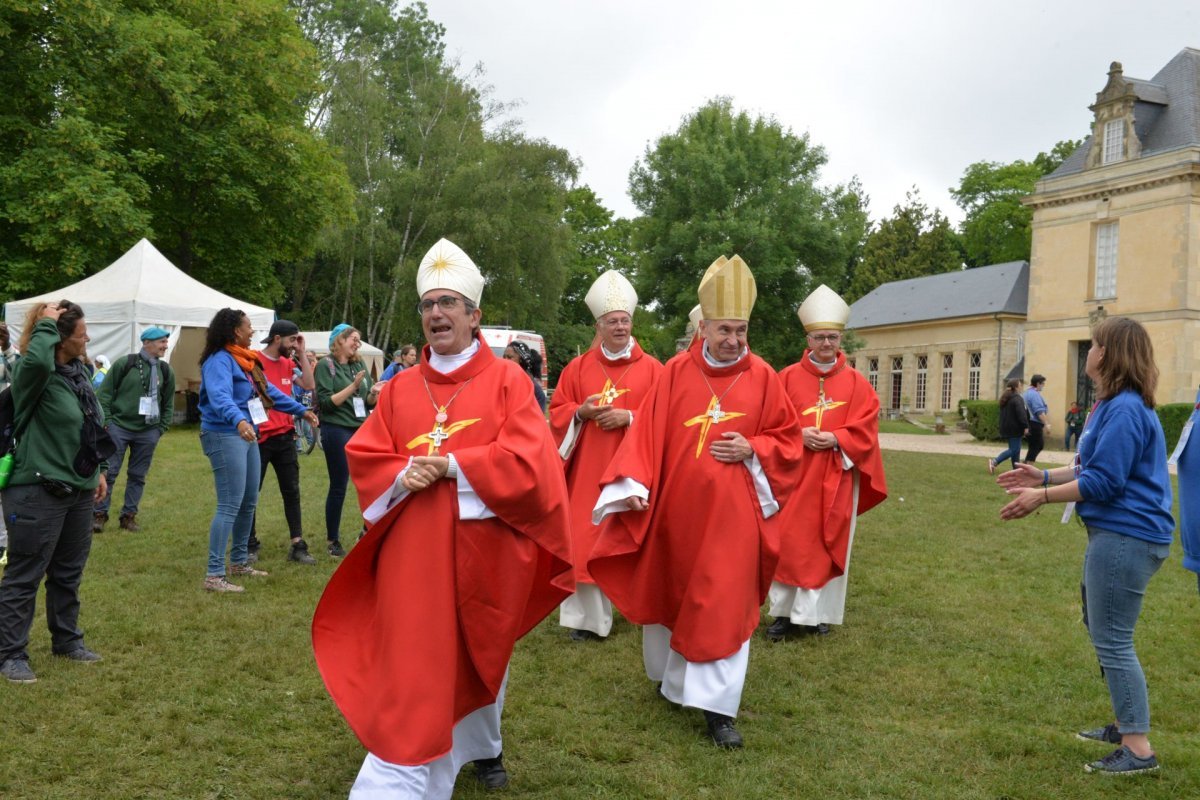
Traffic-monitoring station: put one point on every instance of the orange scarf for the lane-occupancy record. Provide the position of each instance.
(247, 359)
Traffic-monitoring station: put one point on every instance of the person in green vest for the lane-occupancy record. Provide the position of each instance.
(138, 398)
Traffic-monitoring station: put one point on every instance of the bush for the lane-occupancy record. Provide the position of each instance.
(1173, 416)
(983, 418)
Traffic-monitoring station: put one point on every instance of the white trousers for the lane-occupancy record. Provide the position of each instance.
(708, 685)
(826, 605)
(476, 736)
(587, 610)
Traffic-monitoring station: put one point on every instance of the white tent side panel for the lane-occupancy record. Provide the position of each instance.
(140, 289)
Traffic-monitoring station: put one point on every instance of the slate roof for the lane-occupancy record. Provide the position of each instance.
(1166, 114)
(996, 289)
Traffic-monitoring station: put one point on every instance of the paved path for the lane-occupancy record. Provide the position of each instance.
(958, 443)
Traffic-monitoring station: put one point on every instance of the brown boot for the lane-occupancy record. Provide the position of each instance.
(99, 520)
(129, 523)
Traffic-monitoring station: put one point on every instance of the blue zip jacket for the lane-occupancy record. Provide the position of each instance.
(225, 392)
(1124, 481)
(1189, 494)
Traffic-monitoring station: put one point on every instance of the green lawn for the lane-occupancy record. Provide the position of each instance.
(962, 672)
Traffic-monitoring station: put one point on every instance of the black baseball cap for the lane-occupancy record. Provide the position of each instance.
(281, 327)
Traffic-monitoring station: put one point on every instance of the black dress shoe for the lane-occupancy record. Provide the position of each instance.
(778, 630)
(578, 635)
(720, 728)
(820, 629)
(491, 773)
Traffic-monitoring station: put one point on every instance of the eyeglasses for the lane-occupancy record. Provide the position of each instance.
(446, 302)
(825, 337)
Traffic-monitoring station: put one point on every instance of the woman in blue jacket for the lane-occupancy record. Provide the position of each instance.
(1123, 494)
(234, 398)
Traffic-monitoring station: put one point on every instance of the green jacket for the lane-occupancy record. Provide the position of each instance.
(332, 377)
(121, 390)
(49, 411)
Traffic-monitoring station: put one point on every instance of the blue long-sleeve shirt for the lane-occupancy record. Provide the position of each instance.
(1189, 494)
(1124, 481)
(225, 392)
(1036, 405)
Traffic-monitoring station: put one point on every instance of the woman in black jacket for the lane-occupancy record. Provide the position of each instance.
(1014, 423)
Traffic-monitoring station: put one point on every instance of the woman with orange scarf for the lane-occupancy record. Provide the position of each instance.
(234, 398)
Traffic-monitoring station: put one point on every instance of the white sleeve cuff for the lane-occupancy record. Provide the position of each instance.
(568, 443)
(381, 505)
(613, 496)
(470, 506)
(762, 487)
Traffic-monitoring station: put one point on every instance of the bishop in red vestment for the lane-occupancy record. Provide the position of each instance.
(590, 412)
(712, 455)
(467, 551)
(842, 475)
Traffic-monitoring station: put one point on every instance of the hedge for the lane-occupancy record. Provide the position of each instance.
(983, 420)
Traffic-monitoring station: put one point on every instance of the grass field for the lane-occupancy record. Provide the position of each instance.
(962, 672)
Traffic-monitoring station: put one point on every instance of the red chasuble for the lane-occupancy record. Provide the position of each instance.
(417, 625)
(622, 383)
(816, 533)
(700, 559)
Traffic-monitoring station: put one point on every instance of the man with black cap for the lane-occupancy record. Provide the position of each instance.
(1039, 423)
(276, 436)
(138, 399)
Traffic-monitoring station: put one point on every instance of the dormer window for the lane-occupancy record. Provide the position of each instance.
(1114, 141)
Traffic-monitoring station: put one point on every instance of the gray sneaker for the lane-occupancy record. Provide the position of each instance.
(298, 552)
(1108, 734)
(1122, 761)
(82, 655)
(17, 670)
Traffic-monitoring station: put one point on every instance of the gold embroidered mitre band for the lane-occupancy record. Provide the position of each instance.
(823, 310)
(612, 291)
(727, 290)
(446, 266)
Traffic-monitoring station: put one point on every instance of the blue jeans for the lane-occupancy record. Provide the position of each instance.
(141, 446)
(236, 475)
(1116, 571)
(333, 442)
(1013, 452)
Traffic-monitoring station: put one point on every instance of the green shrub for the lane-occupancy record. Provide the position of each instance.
(1173, 416)
(983, 418)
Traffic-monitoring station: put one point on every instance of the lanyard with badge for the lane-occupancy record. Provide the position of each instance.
(1077, 464)
(1183, 438)
(258, 413)
(360, 406)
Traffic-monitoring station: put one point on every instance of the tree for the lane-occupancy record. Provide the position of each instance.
(412, 131)
(996, 225)
(911, 243)
(728, 183)
(181, 120)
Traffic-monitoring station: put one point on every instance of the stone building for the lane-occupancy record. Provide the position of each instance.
(931, 341)
(1116, 230)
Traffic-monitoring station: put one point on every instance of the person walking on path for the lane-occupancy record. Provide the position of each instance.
(1039, 421)
(1014, 423)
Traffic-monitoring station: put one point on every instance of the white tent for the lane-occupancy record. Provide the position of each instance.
(140, 289)
(375, 359)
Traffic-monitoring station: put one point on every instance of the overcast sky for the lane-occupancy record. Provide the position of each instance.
(898, 93)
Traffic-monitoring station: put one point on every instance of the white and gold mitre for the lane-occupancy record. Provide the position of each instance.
(612, 291)
(694, 316)
(824, 309)
(446, 266)
(727, 290)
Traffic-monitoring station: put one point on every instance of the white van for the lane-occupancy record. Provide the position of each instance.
(498, 337)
